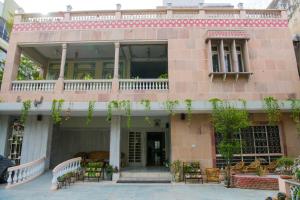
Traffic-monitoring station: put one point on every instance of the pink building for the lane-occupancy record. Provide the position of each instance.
(159, 55)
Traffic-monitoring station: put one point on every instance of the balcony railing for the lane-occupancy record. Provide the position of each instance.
(144, 84)
(173, 13)
(87, 85)
(45, 86)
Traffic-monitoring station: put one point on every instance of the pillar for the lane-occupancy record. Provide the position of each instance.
(222, 56)
(115, 140)
(63, 61)
(117, 59)
(4, 124)
(234, 57)
(246, 56)
(11, 66)
(209, 56)
(37, 140)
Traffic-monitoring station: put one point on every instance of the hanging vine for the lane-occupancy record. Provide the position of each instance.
(147, 105)
(110, 106)
(25, 110)
(57, 110)
(90, 112)
(295, 103)
(170, 105)
(272, 108)
(188, 103)
(126, 105)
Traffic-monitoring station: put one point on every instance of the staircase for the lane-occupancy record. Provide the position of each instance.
(145, 175)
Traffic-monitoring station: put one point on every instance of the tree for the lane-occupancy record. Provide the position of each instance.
(28, 70)
(228, 121)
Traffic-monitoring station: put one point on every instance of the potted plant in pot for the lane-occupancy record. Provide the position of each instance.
(109, 172)
(176, 167)
(116, 174)
(285, 167)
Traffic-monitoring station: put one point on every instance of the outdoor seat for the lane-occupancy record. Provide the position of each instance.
(93, 170)
(238, 167)
(192, 171)
(212, 175)
(272, 166)
(252, 167)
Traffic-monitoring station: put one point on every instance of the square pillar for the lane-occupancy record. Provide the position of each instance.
(115, 141)
(209, 56)
(11, 66)
(37, 140)
(4, 124)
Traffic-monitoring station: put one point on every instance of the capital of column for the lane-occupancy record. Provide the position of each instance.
(117, 44)
(64, 46)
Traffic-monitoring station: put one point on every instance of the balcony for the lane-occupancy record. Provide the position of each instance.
(97, 68)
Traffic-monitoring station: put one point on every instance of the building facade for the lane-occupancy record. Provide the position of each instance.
(164, 57)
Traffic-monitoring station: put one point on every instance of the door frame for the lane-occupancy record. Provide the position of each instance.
(144, 132)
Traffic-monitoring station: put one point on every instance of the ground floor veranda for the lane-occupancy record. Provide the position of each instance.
(155, 143)
(39, 188)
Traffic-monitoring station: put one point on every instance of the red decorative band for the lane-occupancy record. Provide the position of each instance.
(215, 23)
(227, 34)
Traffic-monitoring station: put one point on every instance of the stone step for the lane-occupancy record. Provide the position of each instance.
(161, 175)
(144, 180)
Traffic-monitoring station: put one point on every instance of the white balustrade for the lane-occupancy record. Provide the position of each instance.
(144, 84)
(23, 173)
(191, 13)
(87, 85)
(68, 166)
(45, 86)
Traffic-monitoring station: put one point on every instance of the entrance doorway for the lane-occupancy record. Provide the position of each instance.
(155, 148)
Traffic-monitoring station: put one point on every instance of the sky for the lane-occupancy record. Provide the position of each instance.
(46, 6)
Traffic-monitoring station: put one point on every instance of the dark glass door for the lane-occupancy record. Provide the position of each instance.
(155, 148)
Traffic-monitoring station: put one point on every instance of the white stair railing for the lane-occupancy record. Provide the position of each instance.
(144, 84)
(23, 173)
(63, 168)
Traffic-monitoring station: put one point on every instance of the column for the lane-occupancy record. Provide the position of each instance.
(115, 140)
(37, 139)
(246, 56)
(11, 66)
(116, 65)
(4, 124)
(63, 61)
(222, 56)
(234, 57)
(209, 56)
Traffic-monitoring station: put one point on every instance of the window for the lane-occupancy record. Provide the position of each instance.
(258, 142)
(240, 59)
(227, 54)
(108, 70)
(215, 59)
(84, 71)
(53, 71)
(15, 143)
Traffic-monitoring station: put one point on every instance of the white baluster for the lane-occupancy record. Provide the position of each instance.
(9, 180)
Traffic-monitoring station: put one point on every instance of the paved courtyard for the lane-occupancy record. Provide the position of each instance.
(39, 190)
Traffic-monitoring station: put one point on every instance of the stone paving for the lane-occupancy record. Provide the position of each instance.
(39, 189)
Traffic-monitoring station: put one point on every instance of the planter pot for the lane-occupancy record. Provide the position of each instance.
(286, 177)
(115, 176)
(108, 176)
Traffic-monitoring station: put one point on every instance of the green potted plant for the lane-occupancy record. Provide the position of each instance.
(116, 174)
(285, 167)
(109, 172)
(176, 168)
